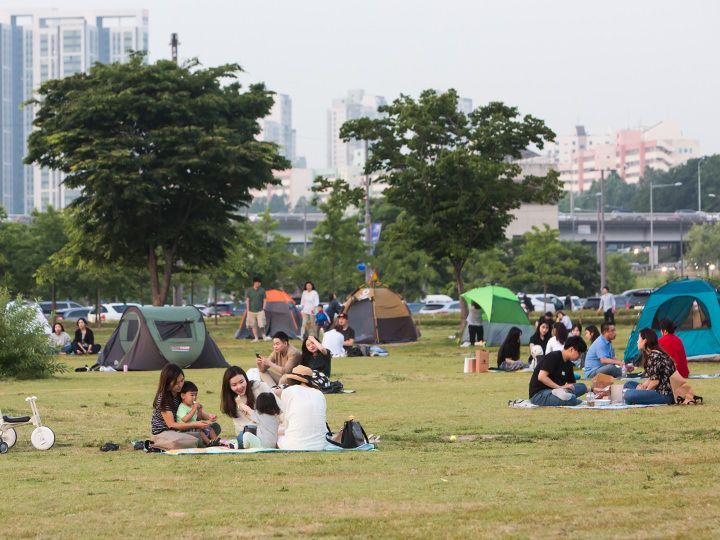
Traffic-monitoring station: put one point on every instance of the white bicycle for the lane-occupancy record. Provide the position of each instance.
(42, 437)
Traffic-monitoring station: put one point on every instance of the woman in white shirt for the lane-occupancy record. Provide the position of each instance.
(305, 412)
(309, 301)
(557, 341)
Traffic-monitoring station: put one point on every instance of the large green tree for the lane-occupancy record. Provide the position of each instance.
(162, 155)
(620, 276)
(704, 245)
(453, 173)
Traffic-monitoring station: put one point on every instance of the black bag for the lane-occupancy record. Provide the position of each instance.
(351, 435)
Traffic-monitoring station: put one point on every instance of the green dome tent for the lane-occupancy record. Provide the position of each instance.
(148, 337)
(692, 304)
(501, 311)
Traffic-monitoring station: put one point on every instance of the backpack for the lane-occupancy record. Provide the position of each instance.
(351, 435)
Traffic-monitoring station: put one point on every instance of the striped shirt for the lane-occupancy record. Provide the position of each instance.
(157, 423)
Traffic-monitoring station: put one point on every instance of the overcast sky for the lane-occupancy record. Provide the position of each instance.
(606, 65)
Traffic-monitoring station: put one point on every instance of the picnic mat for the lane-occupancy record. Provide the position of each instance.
(609, 407)
(705, 376)
(225, 450)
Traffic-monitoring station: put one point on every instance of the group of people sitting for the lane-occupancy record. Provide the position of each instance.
(83, 342)
(557, 348)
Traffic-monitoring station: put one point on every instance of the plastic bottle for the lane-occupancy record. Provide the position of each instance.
(623, 371)
(590, 399)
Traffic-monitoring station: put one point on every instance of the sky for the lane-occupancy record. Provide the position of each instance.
(607, 65)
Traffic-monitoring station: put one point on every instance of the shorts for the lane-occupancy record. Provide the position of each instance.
(255, 319)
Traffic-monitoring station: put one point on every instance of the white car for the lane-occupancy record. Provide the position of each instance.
(543, 303)
(109, 312)
(435, 309)
(576, 303)
(437, 299)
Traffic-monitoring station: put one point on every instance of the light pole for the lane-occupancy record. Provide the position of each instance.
(652, 221)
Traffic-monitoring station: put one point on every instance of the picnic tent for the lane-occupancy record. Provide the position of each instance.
(501, 310)
(280, 314)
(692, 304)
(149, 337)
(379, 315)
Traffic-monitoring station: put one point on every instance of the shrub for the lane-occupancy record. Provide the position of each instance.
(25, 350)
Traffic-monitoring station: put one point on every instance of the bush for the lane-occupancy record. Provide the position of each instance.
(25, 350)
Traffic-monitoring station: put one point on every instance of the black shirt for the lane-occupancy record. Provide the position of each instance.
(318, 361)
(559, 371)
(348, 333)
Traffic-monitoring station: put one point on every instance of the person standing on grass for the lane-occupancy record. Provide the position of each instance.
(553, 381)
(659, 367)
(167, 433)
(607, 306)
(474, 324)
(334, 307)
(309, 301)
(255, 310)
(673, 345)
(600, 357)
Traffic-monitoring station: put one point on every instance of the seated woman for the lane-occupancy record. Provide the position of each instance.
(167, 434)
(305, 411)
(60, 339)
(315, 356)
(508, 358)
(557, 341)
(541, 336)
(238, 395)
(659, 367)
(84, 342)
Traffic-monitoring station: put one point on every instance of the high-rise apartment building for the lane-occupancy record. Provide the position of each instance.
(357, 104)
(580, 157)
(277, 127)
(38, 45)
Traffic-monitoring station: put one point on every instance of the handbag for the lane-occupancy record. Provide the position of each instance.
(351, 435)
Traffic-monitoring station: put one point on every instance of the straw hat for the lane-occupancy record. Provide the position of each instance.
(302, 374)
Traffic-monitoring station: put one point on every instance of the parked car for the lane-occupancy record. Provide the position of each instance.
(592, 303)
(637, 298)
(543, 303)
(621, 301)
(415, 307)
(435, 309)
(72, 314)
(437, 299)
(221, 309)
(109, 312)
(59, 306)
(575, 300)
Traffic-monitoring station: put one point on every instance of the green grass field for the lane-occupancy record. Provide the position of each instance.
(643, 473)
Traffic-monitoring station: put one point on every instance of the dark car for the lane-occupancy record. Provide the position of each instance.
(637, 298)
(592, 303)
(621, 301)
(72, 314)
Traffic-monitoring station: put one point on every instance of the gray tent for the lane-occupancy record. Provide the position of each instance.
(147, 338)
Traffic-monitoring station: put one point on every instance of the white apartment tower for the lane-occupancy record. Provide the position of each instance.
(357, 104)
(49, 44)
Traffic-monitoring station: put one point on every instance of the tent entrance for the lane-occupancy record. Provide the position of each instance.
(687, 312)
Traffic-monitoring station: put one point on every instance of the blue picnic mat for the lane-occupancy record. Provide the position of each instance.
(225, 450)
(705, 376)
(610, 407)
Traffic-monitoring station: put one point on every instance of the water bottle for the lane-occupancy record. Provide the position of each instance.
(590, 399)
(623, 371)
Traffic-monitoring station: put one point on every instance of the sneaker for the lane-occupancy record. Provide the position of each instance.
(466, 344)
(255, 340)
(479, 343)
(267, 338)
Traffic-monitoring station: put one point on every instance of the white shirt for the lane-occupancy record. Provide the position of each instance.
(309, 301)
(607, 301)
(567, 322)
(333, 342)
(474, 317)
(553, 345)
(305, 416)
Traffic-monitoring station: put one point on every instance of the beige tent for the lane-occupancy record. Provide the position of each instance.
(379, 315)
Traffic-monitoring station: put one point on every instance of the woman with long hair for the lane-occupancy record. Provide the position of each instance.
(237, 396)
(167, 434)
(557, 341)
(508, 358)
(309, 302)
(659, 367)
(591, 334)
(315, 356)
(540, 337)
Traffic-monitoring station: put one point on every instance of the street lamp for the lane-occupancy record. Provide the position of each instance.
(652, 221)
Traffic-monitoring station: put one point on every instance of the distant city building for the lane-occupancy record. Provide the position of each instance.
(580, 158)
(357, 104)
(38, 45)
(277, 127)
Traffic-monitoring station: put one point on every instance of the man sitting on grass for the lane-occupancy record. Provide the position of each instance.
(600, 357)
(553, 382)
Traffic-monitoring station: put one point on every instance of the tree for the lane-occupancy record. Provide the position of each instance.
(453, 173)
(544, 261)
(162, 155)
(704, 245)
(337, 246)
(619, 274)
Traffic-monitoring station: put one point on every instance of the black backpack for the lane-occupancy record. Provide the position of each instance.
(351, 435)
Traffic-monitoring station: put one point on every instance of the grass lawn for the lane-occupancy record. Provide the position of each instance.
(642, 473)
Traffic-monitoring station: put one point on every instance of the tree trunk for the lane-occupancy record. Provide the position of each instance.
(98, 315)
(460, 284)
(160, 290)
(154, 283)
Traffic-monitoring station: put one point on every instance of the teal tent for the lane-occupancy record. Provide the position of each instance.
(501, 311)
(692, 304)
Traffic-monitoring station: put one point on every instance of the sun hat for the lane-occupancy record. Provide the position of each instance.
(302, 374)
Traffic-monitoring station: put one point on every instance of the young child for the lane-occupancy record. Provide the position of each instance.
(322, 321)
(192, 411)
(268, 417)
